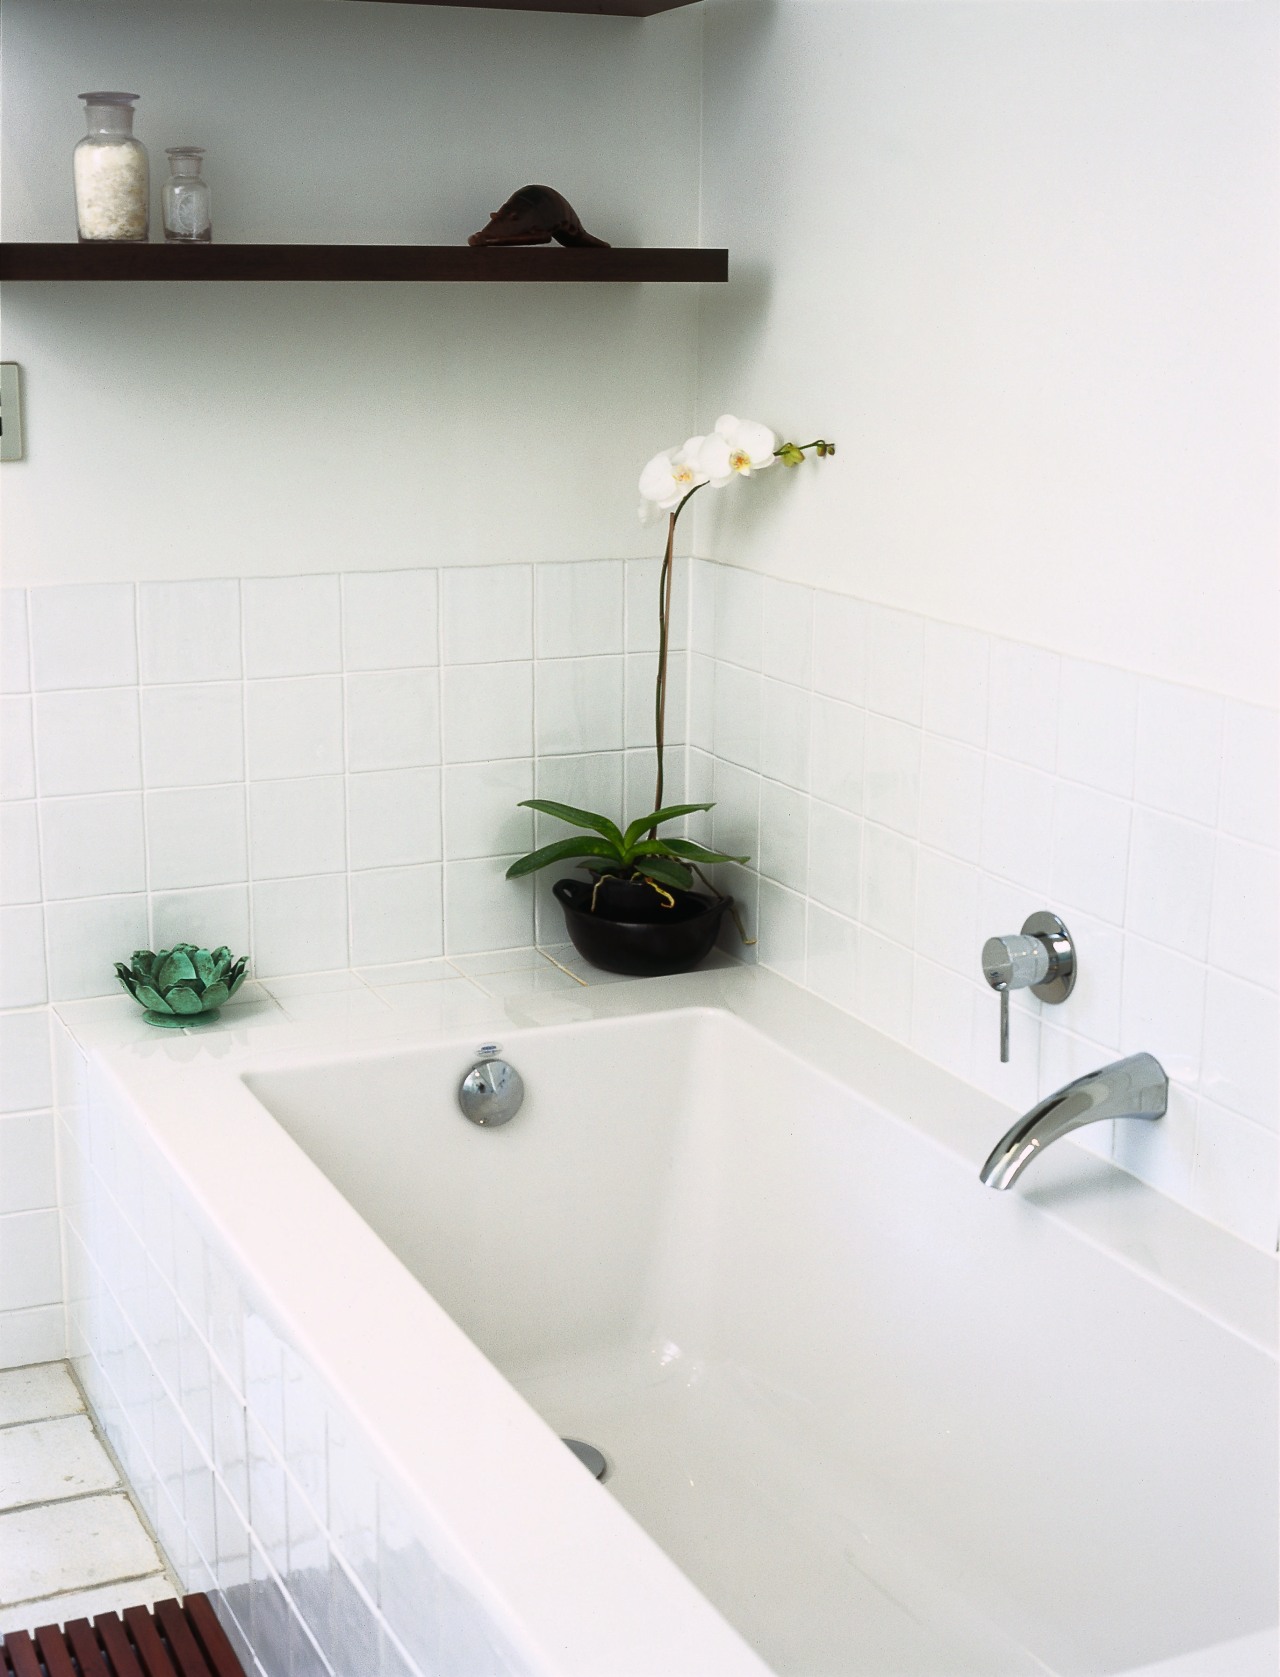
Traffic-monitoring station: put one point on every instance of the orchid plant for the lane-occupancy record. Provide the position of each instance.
(736, 448)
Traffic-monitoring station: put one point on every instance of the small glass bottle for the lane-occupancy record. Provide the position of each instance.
(112, 177)
(184, 198)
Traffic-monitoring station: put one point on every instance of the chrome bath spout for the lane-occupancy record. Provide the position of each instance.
(1132, 1088)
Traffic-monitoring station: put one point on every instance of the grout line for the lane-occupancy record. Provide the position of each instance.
(118, 1489)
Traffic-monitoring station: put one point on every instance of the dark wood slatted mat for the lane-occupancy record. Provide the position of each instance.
(176, 1639)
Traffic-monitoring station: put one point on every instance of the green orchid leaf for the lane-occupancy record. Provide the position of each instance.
(561, 851)
(667, 872)
(576, 817)
(672, 812)
(699, 853)
(206, 967)
(176, 968)
(152, 999)
(183, 999)
(214, 996)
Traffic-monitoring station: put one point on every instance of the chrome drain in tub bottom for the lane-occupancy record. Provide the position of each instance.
(588, 1455)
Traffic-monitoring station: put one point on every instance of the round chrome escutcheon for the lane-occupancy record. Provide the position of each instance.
(491, 1093)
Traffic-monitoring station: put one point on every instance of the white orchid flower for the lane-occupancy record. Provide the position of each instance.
(672, 475)
(736, 448)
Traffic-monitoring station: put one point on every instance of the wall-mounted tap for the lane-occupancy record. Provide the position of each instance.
(1042, 958)
(1132, 1088)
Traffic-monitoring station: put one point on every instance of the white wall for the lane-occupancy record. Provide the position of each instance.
(1021, 260)
(215, 430)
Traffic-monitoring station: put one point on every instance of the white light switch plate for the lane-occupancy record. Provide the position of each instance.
(10, 412)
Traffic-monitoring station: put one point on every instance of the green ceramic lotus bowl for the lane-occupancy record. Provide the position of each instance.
(183, 985)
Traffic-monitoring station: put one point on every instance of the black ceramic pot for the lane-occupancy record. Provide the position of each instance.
(632, 932)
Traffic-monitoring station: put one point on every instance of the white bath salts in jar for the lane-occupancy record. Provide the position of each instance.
(112, 177)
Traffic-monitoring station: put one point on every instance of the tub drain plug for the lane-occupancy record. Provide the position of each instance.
(588, 1455)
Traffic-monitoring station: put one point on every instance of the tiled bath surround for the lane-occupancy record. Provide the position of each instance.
(323, 770)
(260, 1489)
(908, 788)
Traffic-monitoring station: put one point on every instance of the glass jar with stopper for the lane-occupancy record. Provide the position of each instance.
(184, 198)
(112, 178)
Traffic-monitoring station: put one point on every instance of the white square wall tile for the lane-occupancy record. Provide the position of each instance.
(895, 664)
(92, 847)
(1235, 1181)
(839, 647)
(1245, 910)
(1023, 720)
(831, 965)
(787, 652)
(946, 930)
(1091, 851)
(735, 728)
(891, 774)
(485, 910)
(15, 660)
(481, 817)
(589, 781)
(1240, 1066)
(1163, 1007)
(785, 731)
(297, 827)
(30, 1270)
(784, 834)
(25, 1076)
(579, 609)
(837, 755)
(1161, 1152)
(292, 625)
(88, 742)
(86, 938)
(1097, 725)
(956, 680)
(19, 854)
(390, 619)
(23, 982)
(578, 705)
(208, 917)
(1178, 759)
(394, 818)
(396, 914)
(193, 736)
(888, 884)
(886, 974)
(393, 720)
(487, 712)
(1171, 882)
(781, 931)
(190, 631)
(299, 925)
(17, 750)
(739, 620)
(486, 613)
(835, 863)
(196, 837)
(1250, 777)
(83, 635)
(951, 783)
(1092, 1010)
(1017, 823)
(640, 674)
(294, 727)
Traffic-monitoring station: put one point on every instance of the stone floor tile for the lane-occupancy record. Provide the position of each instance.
(73, 1545)
(46, 1461)
(38, 1393)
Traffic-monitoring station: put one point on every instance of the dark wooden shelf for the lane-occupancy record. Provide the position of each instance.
(599, 8)
(356, 262)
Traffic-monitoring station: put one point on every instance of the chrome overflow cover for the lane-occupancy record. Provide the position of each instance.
(492, 1092)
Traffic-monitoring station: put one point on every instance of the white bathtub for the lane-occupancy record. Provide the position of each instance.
(883, 1421)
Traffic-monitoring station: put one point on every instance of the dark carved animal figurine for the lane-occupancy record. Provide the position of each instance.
(534, 216)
